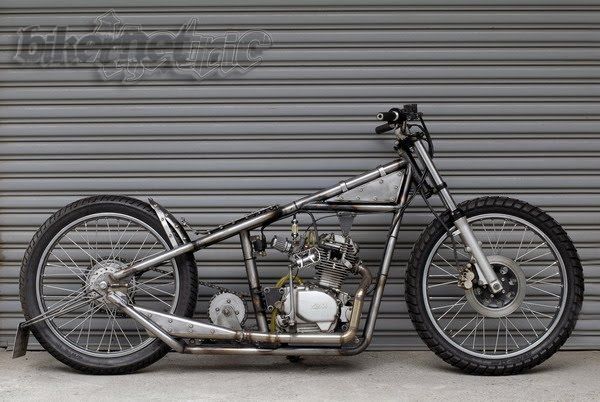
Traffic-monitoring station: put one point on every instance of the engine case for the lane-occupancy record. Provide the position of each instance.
(313, 306)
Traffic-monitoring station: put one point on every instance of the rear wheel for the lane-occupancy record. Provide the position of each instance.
(516, 329)
(78, 245)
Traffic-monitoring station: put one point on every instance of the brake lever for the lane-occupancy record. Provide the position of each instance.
(384, 128)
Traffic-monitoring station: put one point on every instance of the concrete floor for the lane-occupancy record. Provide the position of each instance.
(374, 376)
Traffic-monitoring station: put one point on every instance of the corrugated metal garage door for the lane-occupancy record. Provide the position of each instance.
(510, 89)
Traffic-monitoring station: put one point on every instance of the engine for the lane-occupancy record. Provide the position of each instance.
(319, 305)
(338, 255)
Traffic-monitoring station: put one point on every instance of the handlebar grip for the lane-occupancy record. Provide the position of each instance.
(384, 128)
(387, 116)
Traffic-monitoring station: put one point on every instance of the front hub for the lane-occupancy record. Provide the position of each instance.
(503, 303)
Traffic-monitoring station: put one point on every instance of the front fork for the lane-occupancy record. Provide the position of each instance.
(482, 265)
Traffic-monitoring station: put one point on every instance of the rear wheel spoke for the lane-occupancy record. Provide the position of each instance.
(85, 251)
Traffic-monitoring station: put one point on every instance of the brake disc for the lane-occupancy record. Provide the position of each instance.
(503, 303)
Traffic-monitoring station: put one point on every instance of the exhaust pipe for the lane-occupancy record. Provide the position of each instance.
(167, 327)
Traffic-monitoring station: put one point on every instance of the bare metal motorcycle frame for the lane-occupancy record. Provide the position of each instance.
(341, 198)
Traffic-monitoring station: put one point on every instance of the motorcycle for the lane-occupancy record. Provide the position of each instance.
(494, 285)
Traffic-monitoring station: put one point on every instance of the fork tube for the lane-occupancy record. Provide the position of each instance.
(253, 281)
(444, 193)
(483, 266)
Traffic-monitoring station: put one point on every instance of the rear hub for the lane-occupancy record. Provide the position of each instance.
(99, 278)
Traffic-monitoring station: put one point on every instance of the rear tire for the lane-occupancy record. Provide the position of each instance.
(35, 263)
(433, 329)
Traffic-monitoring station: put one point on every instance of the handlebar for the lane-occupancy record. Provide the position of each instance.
(392, 115)
(396, 116)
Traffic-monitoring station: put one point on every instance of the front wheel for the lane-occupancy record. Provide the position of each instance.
(504, 333)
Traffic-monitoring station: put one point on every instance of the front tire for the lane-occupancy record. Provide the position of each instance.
(74, 247)
(530, 321)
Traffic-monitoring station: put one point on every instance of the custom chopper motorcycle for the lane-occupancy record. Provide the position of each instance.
(493, 285)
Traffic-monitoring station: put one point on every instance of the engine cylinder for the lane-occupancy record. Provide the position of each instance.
(338, 255)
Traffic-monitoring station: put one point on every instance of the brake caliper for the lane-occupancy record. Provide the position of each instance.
(466, 276)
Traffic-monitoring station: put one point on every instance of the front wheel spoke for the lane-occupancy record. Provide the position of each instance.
(497, 335)
(457, 251)
(537, 257)
(534, 268)
(541, 305)
(454, 316)
(530, 250)
(477, 322)
(544, 291)
(521, 243)
(443, 270)
(488, 236)
(447, 305)
(510, 333)
(506, 241)
(440, 284)
(518, 331)
(499, 234)
(483, 332)
(537, 318)
(542, 281)
(530, 324)
(543, 269)
(463, 327)
(540, 313)
(446, 261)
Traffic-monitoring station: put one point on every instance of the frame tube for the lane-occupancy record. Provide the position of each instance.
(261, 219)
(143, 321)
(253, 282)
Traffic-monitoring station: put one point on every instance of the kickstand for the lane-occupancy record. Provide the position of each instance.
(21, 341)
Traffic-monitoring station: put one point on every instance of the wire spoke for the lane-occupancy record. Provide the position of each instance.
(457, 251)
(157, 290)
(69, 268)
(89, 249)
(537, 274)
(441, 284)
(530, 250)
(442, 269)
(154, 297)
